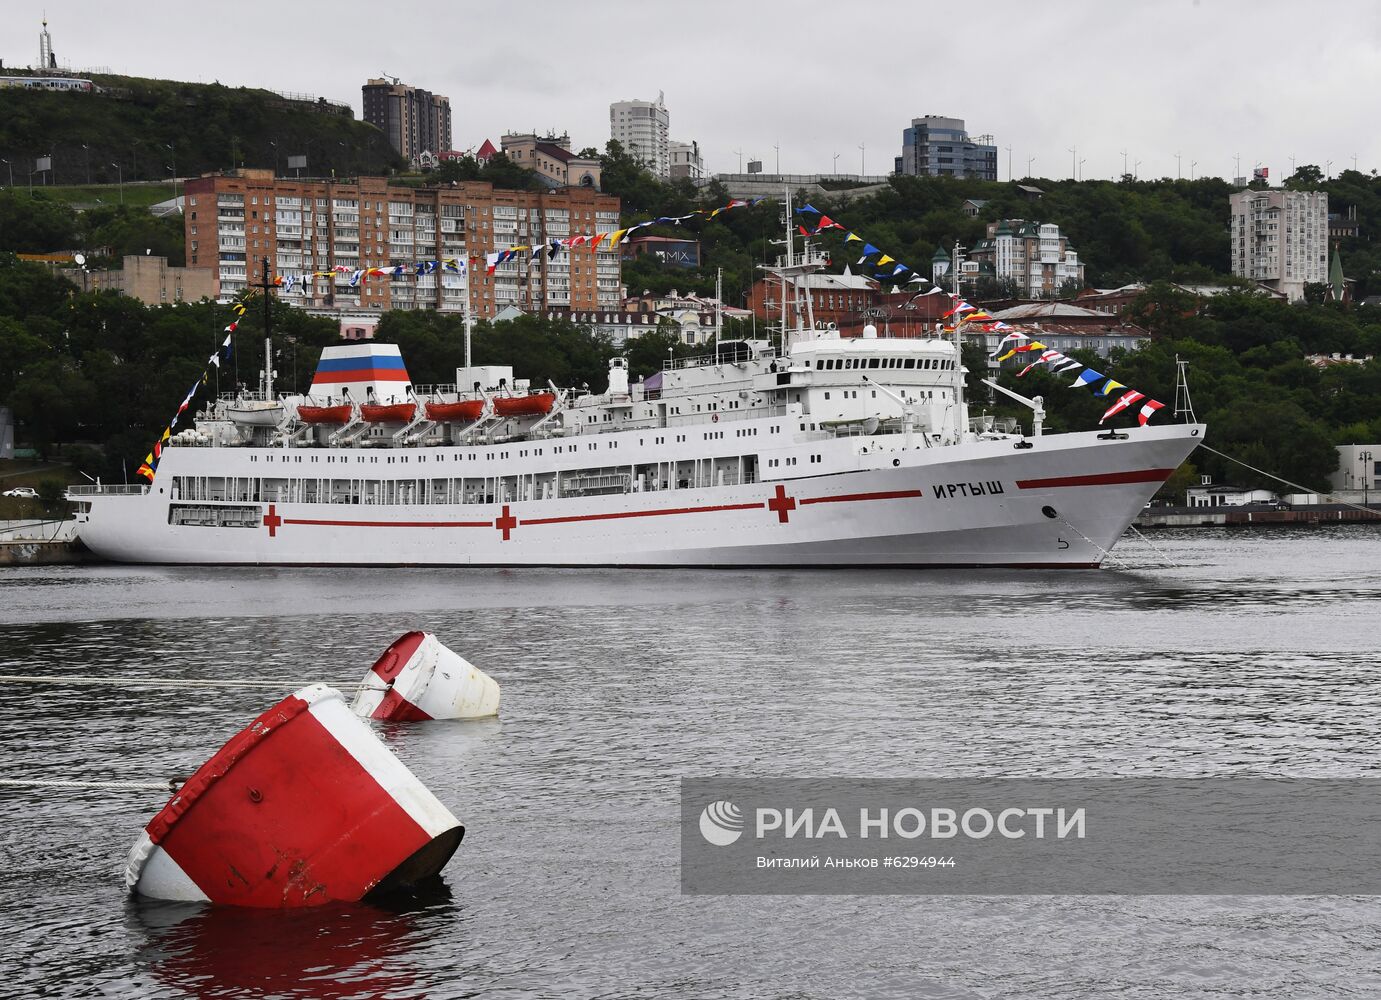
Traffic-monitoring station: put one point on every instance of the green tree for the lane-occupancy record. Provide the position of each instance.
(1307, 177)
(35, 224)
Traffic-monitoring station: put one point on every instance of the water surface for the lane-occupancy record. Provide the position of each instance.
(1254, 654)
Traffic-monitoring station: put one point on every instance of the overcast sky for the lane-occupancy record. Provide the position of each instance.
(1209, 79)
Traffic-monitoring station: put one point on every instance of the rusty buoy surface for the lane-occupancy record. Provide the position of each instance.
(304, 806)
(419, 678)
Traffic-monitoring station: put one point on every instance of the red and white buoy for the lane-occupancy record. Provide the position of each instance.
(418, 678)
(304, 806)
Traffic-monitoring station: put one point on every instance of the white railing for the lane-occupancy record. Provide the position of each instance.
(131, 489)
(723, 416)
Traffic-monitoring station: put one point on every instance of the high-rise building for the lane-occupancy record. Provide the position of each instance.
(416, 121)
(305, 227)
(1280, 238)
(941, 147)
(643, 129)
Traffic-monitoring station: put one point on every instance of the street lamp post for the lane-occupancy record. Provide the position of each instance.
(1364, 459)
(86, 154)
(11, 166)
(172, 148)
(120, 175)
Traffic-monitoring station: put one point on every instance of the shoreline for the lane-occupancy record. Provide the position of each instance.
(1254, 516)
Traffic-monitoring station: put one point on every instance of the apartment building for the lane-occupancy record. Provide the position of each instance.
(1034, 257)
(643, 129)
(938, 146)
(1280, 238)
(686, 161)
(416, 121)
(232, 222)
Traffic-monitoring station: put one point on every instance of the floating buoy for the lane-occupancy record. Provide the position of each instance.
(304, 806)
(422, 679)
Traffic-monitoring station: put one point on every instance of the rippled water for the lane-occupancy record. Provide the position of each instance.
(1256, 654)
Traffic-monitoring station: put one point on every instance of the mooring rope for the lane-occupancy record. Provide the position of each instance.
(1106, 554)
(162, 786)
(1168, 561)
(182, 682)
(1281, 479)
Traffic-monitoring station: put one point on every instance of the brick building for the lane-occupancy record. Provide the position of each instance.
(835, 298)
(233, 222)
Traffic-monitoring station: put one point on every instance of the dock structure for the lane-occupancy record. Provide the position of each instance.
(1254, 516)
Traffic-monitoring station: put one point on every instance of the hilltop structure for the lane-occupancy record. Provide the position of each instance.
(416, 121)
(1280, 238)
(643, 129)
(550, 157)
(940, 146)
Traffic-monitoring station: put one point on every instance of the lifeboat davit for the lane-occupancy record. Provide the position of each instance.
(462, 410)
(339, 414)
(388, 413)
(533, 404)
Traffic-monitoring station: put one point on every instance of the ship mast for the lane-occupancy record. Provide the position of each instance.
(718, 308)
(469, 310)
(790, 245)
(266, 383)
(960, 412)
(788, 268)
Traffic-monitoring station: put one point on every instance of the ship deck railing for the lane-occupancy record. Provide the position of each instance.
(129, 489)
(720, 358)
(729, 416)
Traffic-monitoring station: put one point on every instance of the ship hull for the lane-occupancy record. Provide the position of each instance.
(1062, 502)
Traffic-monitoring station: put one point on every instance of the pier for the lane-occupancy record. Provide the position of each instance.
(33, 542)
(1254, 515)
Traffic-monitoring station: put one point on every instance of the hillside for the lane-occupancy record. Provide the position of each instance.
(148, 126)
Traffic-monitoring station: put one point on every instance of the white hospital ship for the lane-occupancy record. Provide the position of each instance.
(827, 451)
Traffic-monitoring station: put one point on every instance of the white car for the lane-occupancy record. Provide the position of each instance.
(27, 492)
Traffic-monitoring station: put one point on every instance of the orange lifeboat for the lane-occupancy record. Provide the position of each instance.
(533, 404)
(464, 410)
(324, 414)
(388, 413)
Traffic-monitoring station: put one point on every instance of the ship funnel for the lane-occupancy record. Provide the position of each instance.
(870, 332)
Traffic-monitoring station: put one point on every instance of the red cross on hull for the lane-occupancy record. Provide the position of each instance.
(782, 504)
(506, 522)
(272, 521)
